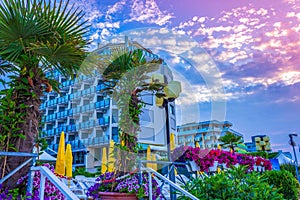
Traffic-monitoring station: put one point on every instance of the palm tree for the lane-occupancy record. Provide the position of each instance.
(125, 73)
(230, 140)
(36, 37)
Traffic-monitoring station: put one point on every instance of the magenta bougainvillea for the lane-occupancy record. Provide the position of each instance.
(205, 158)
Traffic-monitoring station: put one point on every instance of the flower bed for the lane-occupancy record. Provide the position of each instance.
(206, 158)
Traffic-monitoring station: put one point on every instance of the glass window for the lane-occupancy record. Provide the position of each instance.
(147, 97)
(172, 110)
(99, 133)
(146, 115)
(115, 116)
(173, 124)
(97, 154)
(99, 98)
(147, 134)
(115, 134)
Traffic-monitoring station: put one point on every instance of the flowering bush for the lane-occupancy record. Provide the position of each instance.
(51, 192)
(107, 183)
(205, 158)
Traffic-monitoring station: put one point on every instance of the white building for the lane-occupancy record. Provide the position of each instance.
(89, 117)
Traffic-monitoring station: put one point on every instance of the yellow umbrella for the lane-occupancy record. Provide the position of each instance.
(149, 165)
(111, 159)
(197, 144)
(69, 161)
(60, 159)
(104, 161)
(154, 165)
(172, 141)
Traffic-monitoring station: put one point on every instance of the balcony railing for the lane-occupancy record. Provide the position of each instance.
(95, 141)
(104, 104)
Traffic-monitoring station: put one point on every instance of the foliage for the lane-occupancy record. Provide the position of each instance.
(82, 171)
(125, 76)
(230, 140)
(284, 181)
(36, 37)
(127, 184)
(232, 184)
(289, 167)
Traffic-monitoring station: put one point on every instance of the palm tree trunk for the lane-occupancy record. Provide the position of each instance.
(29, 127)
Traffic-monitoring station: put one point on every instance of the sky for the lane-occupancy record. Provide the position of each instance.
(238, 60)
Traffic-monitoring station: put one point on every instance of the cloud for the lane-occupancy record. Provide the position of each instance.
(148, 12)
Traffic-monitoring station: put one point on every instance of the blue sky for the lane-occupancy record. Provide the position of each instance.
(253, 75)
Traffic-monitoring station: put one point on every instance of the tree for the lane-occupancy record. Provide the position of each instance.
(230, 140)
(126, 75)
(36, 37)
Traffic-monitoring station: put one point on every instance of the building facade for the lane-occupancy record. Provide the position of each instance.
(259, 143)
(206, 133)
(89, 117)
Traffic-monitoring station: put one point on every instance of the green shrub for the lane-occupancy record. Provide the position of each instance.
(284, 181)
(289, 167)
(232, 184)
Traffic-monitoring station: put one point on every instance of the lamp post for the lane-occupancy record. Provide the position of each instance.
(172, 90)
(292, 142)
(172, 172)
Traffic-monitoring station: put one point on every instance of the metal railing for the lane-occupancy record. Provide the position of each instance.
(45, 173)
(62, 187)
(165, 180)
(173, 187)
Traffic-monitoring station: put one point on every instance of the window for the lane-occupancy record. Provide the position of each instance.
(173, 124)
(99, 133)
(97, 154)
(147, 134)
(147, 97)
(99, 115)
(115, 134)
(99, 98)
(115, 116)
(84, 135)
(172, 110)
(146, 115)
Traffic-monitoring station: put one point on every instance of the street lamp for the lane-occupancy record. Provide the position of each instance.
(293, 144)
(171, 91)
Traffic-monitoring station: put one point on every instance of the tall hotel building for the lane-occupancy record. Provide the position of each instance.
(89, 117)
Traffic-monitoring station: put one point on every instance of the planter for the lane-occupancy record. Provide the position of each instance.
(117, 196)
(193, 167)
(214, 167)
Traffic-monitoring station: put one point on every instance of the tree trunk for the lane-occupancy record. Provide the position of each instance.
(29, 128)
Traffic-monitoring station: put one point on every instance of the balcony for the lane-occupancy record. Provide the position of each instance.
(76, 144)
(72, 128)
(88, 124)
(49, 133)
(88, 108)
(95, 141)
(88, 92)
(104, 121)
(62, 115)
(63, 100)
(100, 89)
(50, 118)
(61, 129)
(102, 105)
(75, 97)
